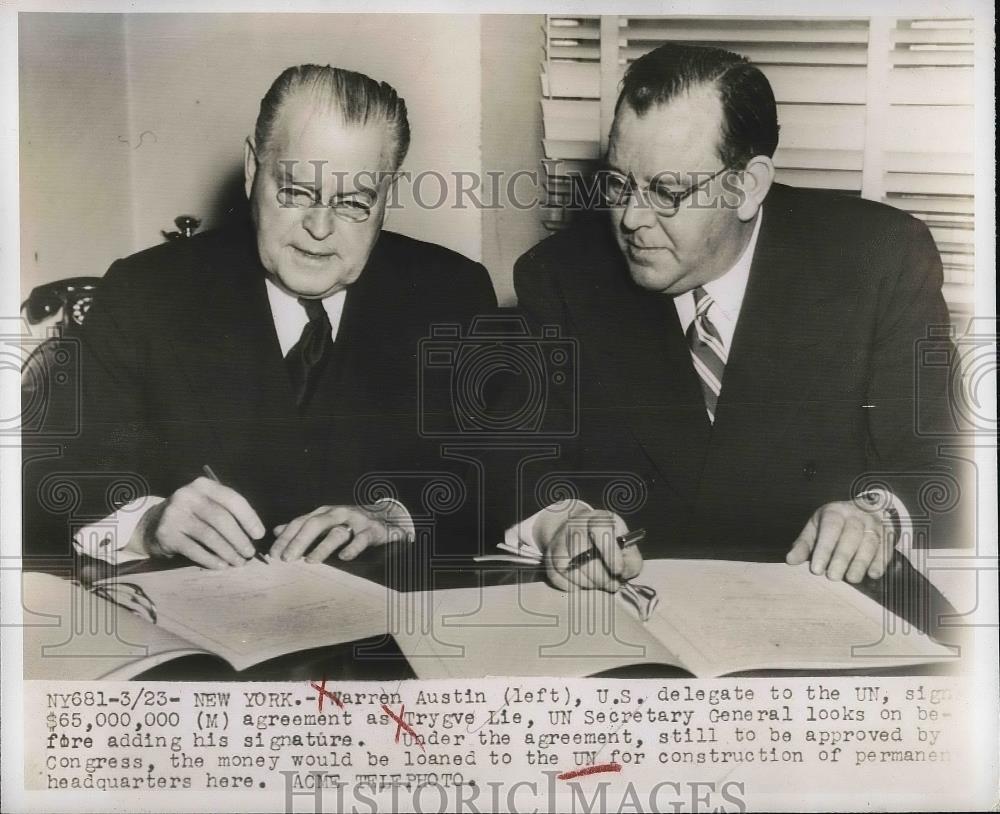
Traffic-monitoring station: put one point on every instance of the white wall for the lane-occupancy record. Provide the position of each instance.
(183, 91)
(512, 136)
(76, 211)
(196, 82)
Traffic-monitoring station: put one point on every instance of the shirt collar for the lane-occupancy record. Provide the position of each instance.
(727, 291)
(290, 317)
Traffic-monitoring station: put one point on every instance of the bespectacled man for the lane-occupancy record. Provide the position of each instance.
(250, 377)
(750, 351)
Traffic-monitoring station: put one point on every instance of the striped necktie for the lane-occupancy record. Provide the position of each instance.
(707, 351)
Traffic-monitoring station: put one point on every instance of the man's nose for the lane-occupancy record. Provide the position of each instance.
(319, 222)
(638, 212)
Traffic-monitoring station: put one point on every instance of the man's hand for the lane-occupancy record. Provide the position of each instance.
(584, 529)
(208, 523)
(844, 540)
(331, 527)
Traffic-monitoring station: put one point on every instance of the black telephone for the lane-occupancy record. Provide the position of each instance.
(73, 295)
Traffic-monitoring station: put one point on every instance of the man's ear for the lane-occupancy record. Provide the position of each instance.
(249, 165)
(757, 179)
(390, 189)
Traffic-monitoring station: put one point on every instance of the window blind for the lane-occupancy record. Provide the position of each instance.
(817, 70)
(929, 141)
(571, 92)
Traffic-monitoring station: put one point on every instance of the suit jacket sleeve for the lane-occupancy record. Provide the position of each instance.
(912, 373)
(541, 304)
(467, 294)
(537, 297)
(98, 468)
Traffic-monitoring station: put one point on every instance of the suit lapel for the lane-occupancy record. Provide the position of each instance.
(241, 370)
(641, 364)
(773, 352)
(370, 320)
(229, 351)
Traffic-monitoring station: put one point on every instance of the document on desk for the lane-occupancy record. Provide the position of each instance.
(725, 617)
(714, 618)
(71, 634)
(528, 629)
(258, 611)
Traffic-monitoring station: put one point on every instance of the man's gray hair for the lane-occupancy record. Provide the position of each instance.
(359, 99)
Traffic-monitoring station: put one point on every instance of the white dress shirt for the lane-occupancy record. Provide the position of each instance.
(107, 538)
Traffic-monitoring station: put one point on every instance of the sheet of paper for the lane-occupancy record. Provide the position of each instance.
(724, 617)
(714, 618)
(528, 629)
(73, 635)
(261, 610)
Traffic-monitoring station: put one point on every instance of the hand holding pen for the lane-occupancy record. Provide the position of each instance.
(642, 597)
(583, 551)
(210, 473)
(205, 521)
(624, 541)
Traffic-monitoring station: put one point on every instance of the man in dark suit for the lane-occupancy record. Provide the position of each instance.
(748, 350)
(282, 353)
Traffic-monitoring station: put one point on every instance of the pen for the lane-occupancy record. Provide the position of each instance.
(210, 473)
(625, 541)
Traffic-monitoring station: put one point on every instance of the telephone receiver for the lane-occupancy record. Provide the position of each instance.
(73, 295)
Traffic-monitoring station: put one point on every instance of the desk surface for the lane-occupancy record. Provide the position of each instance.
(903, 590)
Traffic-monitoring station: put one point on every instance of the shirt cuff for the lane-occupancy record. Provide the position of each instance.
(531, 536)
(106, 539)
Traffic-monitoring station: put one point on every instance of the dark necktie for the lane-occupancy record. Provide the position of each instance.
(306, 359)
(707, 351)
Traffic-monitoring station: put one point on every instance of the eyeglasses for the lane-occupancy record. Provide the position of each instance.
(617, 189)
(350, 209)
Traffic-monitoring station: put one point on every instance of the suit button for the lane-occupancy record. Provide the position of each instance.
(809, 470)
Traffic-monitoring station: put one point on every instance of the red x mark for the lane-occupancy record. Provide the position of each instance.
(323, 691)
(402, 726)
